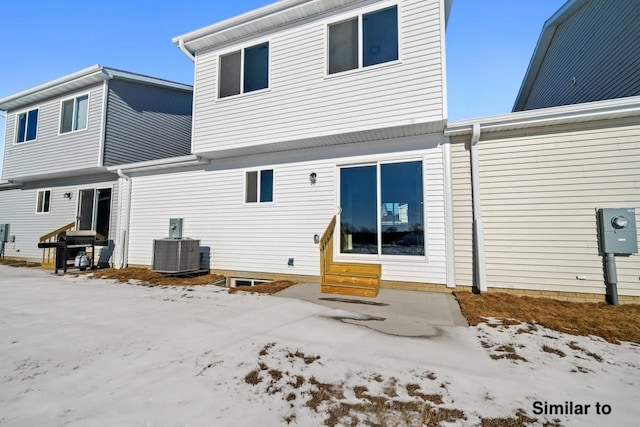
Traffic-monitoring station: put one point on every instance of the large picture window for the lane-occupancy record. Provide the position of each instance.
(245, 70)
(27, 126)
(382, 209)
(74, 114)
(363, 41)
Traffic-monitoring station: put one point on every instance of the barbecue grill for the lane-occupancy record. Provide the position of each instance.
(70, 244)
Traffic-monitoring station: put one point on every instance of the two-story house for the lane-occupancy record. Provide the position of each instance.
(61, 138)
(307, 110)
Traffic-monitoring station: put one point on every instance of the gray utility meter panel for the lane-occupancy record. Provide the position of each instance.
(4, 232)
(618, 234)
(175, 228)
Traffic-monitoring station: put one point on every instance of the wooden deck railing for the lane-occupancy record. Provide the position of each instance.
(357, 279)
(49, 254)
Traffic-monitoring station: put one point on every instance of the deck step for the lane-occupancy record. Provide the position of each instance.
(356, 269)
(48, 266)
(351, 279)
(351, 290)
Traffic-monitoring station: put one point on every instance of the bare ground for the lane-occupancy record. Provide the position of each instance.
(613, 323)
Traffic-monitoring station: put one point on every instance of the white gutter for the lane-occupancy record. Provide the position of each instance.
(479, 266)
(123, 221)
(167, 163)
(186, 51)
(448, 207)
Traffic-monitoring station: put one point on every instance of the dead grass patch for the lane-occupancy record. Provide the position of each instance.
(612, 323)
(151, 278)
(264, 288)
(574, 346)
(556, 351)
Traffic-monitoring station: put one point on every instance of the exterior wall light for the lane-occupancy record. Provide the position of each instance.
(67, 195)
(313, 177)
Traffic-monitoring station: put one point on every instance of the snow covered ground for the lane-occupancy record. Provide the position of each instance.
(83, 352)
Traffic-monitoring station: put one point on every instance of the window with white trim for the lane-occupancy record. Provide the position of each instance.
(44, 201)
(365, 40)
(245, 70)
(382, 209)
(259, 186)
(74, 115)
(27, 126)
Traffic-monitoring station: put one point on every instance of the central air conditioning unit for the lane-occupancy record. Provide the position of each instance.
(176, 255)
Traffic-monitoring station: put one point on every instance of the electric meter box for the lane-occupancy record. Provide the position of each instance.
(4, 232)
(618, 233)
(175, 228)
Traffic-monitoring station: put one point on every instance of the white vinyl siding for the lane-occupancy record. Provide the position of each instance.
(539, 198)
(302, 102)
(18, 208)
(263, 238)
(53, 152)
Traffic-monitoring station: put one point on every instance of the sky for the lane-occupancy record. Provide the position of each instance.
(489, 43)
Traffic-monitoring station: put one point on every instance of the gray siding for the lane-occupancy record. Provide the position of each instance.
(18, 208)
(52, 152)
(599, 46)
(539, 195)
(146, 122)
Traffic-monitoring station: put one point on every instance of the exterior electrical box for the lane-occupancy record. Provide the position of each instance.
(4, 233)
(617, 231)
(175, 228)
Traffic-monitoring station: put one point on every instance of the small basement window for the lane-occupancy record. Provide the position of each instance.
(236, 282)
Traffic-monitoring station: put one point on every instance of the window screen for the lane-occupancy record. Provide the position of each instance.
(343, 46)
(230, 74)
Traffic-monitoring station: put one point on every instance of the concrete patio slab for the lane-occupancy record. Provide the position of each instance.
(395, 312)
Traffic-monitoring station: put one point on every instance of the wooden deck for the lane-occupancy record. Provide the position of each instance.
(49, 254)
(343, 278)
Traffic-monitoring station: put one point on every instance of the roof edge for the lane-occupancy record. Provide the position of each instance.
(597, 110)
(9, 101)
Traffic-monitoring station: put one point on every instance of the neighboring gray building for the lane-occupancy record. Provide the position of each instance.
(62, 136)
(588, 51)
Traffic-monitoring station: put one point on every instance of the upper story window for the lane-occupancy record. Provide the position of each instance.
(368, 39)
(245, 70)
(74, 114)
(44, 201)
(259, 186)
(27, 126)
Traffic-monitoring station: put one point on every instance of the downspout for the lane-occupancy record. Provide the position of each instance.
(124, 221)
(186, 51)
(448, 206)
(479, 266)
